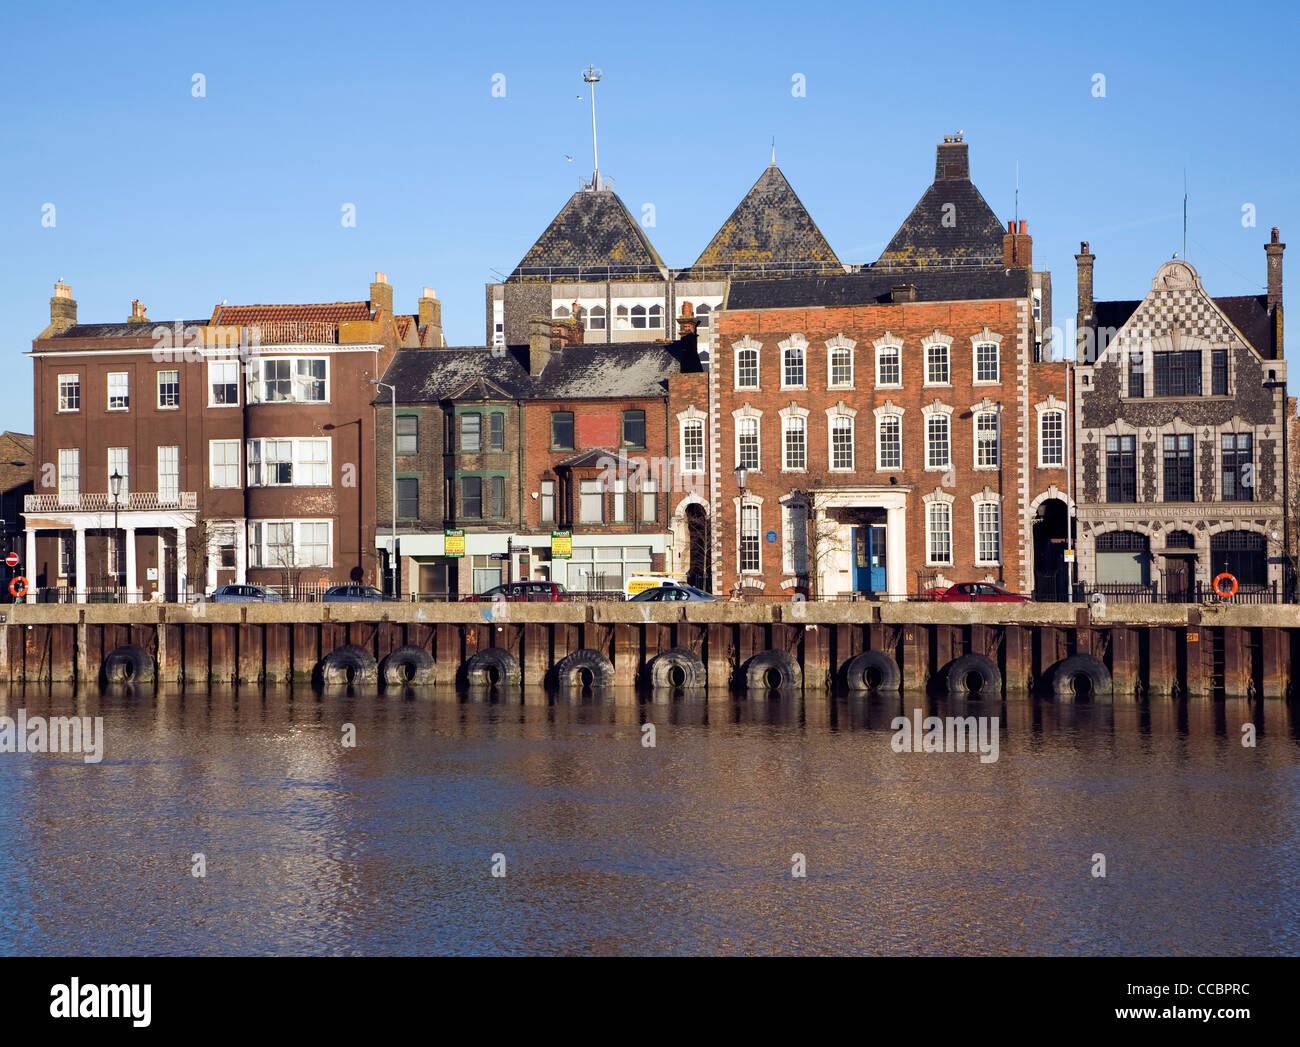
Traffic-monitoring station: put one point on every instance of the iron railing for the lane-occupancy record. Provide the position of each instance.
(101, 502)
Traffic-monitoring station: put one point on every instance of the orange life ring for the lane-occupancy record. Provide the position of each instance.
(18, 587)
(1232, 591)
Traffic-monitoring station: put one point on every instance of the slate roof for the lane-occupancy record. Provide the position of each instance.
(875, 287)
(973, 233)
(330, 312)
(124, 330)
(16, 467)
(577, 372)
(769, 228)
(594, 230)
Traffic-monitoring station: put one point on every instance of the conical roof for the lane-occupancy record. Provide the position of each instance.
(593, 231)
(952, 224)
(768, 230)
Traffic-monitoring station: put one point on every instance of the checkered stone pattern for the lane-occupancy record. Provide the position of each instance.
(1185, 309)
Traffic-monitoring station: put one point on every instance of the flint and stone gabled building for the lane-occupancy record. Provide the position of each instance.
(1181, 422)
(512, 443)
(243, 444)
(901, 426)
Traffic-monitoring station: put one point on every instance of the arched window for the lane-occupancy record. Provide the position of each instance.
(596, 318)
(747, 443)
(656, 316)
(938, 442)
(702, 314)
(620, 318)
(693, 446)
(986, 440)
(842, 443)
(638, 317)
(1241, 554)
(889, 442)
(796, 443)
(561, 312)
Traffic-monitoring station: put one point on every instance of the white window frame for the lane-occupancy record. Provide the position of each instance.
(649, 488)
(932, 347)
(842, 412)
(754, 503)
(981, 500)
(584, 492)
(167, 452)
(691, 423)
(296, 384)
(125, 391)
(68, 382)
(794, 554)
(741, 418)
(793, 418)
(255, 454)
(840, 344)
(213, 466)
(257, 547)
(937, 500)
(982, 411)
(1049, 407)
(69, 461)
(986, 337)
(123, 467)
(929, 413)
(158, 383)
(739, 349)
(222, 365)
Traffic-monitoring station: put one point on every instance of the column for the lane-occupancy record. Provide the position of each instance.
(80, 533)
(241, 552)
(132, 581)
(29, 565)
(896, 539)
(181, 564)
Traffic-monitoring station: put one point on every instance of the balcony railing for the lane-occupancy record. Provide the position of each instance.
(100, 502)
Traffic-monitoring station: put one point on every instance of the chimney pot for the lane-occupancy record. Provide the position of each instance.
(1024, 227)
(381, 278)
(137, 312)
(63, 308)
(429, 293)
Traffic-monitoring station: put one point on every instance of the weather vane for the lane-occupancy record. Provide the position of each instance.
(591, 75)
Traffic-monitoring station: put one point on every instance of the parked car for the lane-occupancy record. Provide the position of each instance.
(980, 592)
(243, 594)
(529, 592)
(639, 583)
(671, 593)
(348, 593)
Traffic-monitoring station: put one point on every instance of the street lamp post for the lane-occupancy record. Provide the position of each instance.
(742, 474)
(392, 548)
(115, 485)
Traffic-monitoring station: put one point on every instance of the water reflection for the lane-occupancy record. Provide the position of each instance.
(314, 845)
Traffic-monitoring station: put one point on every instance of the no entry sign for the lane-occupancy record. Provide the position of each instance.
(11, 560)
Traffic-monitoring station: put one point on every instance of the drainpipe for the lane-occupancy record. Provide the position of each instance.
(1069, 478)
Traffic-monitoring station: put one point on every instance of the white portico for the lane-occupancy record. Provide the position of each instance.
(168, 520)
(856, 538)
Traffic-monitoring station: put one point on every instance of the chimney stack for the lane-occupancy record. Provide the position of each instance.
(1085, 319)
(1017, 247)
(381, 295)
(539, 344)
(63, 308)
(1274, 249)
(431, 318)
(952, 162)
(137, 313)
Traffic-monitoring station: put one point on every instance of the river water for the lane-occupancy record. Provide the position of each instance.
(609, 845)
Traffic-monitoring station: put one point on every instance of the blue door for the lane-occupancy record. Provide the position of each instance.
(869, 559)
(876, 550)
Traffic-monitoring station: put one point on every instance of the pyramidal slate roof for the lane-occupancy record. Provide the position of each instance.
(952, 224)
(770, 228)
(594, 230)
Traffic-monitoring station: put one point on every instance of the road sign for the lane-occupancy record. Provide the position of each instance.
(11, 560)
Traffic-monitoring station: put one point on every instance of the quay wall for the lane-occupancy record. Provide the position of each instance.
(1150, 651)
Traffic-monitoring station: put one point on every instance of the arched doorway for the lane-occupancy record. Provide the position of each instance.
(698, 571)
(1051, 538)
(1179, 558)
(1243, 555)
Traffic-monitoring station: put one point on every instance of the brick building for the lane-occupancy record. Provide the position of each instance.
(1181, 412)
(509, 444)
(901, 427)
(241, 446)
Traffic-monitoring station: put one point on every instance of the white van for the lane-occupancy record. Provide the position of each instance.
(639, 583)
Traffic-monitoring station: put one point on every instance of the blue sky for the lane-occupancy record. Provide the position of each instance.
(182, 201)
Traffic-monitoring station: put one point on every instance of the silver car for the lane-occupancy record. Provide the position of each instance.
(674, 593)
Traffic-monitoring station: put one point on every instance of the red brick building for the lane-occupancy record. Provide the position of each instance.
(899, 426)
(241, 446)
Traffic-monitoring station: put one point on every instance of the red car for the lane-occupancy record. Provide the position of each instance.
(530, 592)
(979, 592)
